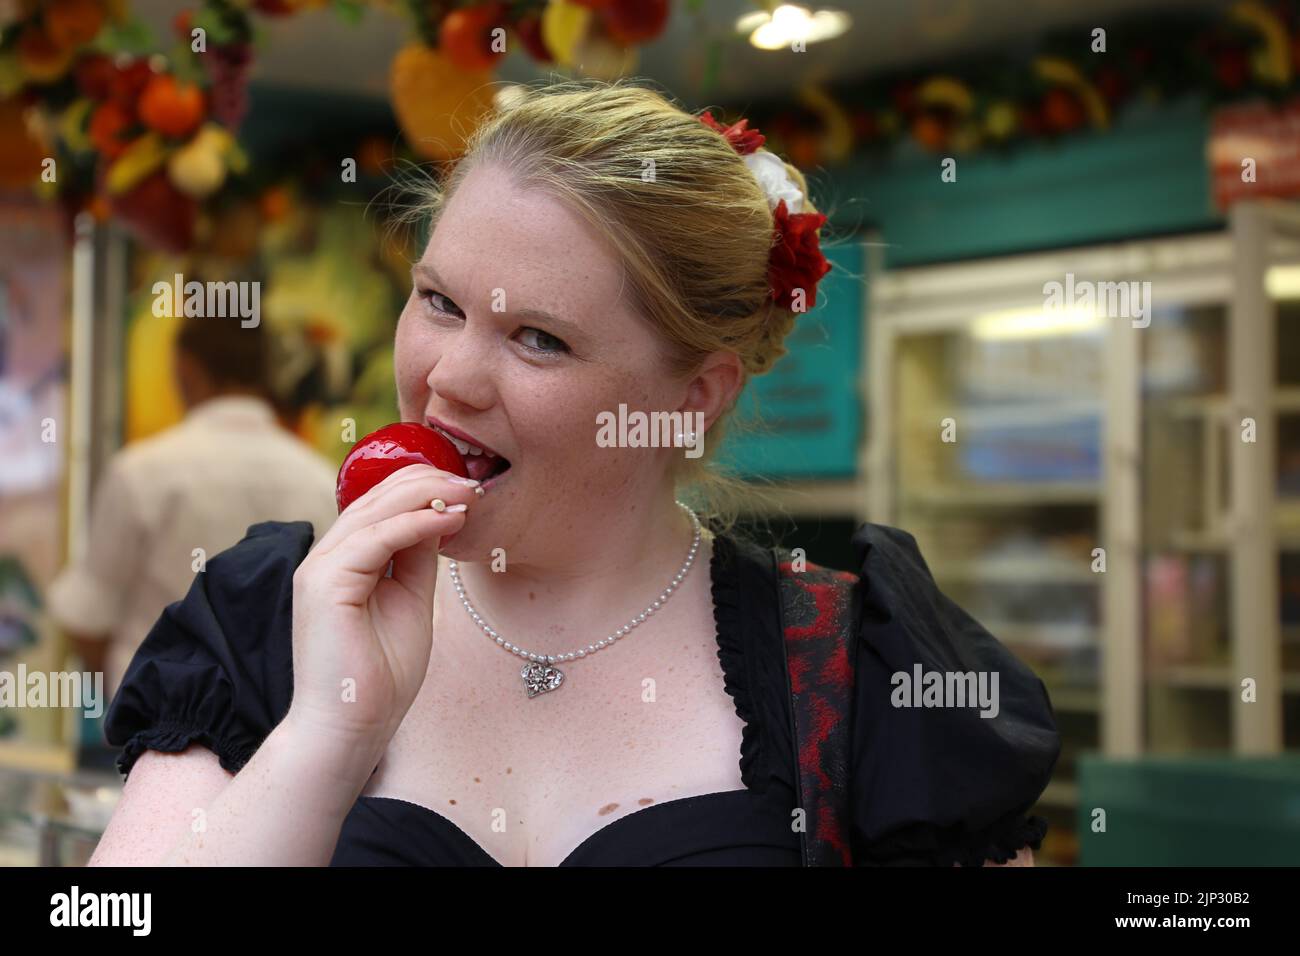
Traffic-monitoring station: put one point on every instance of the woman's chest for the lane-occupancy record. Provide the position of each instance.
(529, 779)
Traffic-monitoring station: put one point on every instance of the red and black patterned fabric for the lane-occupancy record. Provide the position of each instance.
(820, 645)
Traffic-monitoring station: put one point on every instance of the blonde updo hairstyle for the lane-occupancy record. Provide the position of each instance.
(694, 238)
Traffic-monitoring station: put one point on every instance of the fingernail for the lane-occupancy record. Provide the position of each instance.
(463, 481)
(451, 508)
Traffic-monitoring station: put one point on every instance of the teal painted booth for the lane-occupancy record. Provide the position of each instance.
(1145, 176)
(1190, 811)
(803, 418)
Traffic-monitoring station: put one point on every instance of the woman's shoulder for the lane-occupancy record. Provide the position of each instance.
(954, 737)
(888, 606)
(905, 618)
(247, 589)
(940, 737)
(216, 668)
(275, 542)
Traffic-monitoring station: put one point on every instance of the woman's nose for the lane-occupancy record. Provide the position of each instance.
(463, 372)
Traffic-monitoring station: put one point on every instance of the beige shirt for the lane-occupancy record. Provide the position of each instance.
(198, 485)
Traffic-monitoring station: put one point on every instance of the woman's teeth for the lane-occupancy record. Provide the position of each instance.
(480, 464)
(462, 446)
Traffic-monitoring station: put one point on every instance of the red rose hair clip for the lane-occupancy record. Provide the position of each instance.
(796, 260)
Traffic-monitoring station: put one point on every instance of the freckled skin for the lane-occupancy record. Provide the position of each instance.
(586, 531)
(568, 509)
(540, 412)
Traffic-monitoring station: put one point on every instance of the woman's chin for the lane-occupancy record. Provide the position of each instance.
(467, 544)
(452, 546)
(460, 545)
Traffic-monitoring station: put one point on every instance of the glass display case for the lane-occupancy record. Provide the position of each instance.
(1221, 503)
(987, 447)
(1098, 451)
(1187, 650)
(54, 819)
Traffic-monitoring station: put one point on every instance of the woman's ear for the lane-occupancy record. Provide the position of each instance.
(714, 387)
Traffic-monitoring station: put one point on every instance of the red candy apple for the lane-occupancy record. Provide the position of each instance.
(394, 446)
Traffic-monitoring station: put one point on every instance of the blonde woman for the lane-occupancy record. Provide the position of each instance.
(565, 666)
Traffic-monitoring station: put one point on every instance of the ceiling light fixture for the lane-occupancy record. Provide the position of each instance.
(788, 23)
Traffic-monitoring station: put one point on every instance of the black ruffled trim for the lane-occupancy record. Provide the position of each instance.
(727, 619)
(171, 736)
(925, 844)
(1000, 843)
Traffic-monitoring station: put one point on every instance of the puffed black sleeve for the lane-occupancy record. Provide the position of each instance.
(217, 666)
(946, 784)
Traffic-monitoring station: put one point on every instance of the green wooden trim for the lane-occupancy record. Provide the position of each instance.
(805, 416)
(1147, 176)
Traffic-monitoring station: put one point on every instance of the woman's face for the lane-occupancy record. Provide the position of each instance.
(515, 333)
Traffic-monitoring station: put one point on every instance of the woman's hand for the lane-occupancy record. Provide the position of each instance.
(361, 640)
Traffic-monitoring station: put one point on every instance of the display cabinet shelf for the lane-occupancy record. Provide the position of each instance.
(1003, 495)
(1060, 441)
(1016, 570)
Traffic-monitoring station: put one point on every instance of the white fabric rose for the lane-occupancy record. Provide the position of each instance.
(772, 175)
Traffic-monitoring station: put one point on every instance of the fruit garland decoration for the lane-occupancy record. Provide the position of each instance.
(40, 44)
(1251, 49)
(149, 138)
(187, 118)
(108, 126)
(439, 83)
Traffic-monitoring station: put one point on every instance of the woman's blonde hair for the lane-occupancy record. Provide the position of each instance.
(684, 214)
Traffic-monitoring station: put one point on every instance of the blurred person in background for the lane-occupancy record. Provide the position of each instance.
(197, 485)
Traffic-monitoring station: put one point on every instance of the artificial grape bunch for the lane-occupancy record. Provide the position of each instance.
(228, 70)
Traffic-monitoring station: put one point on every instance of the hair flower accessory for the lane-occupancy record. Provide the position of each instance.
(742, 139)
(796, 260)
(772, 175)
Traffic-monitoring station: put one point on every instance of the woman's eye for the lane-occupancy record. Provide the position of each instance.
(535, 340)
(545, 342)
(438, 302)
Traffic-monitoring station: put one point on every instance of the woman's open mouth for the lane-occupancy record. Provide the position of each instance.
(483, 464)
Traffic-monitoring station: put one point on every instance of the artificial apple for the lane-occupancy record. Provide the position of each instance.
(171, 107)
(634, 21)
(465, 36)
(109, 124)
(43, 60)
(71, 23)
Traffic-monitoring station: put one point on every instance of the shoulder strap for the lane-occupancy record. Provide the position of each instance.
(820, 653)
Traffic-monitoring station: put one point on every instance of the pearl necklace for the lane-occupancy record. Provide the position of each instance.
(540, 675)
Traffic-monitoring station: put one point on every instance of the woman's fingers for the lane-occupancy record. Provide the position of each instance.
(356, 564)
(416, 568)
(407, 489)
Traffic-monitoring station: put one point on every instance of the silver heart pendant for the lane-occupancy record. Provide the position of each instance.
(540, 678)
